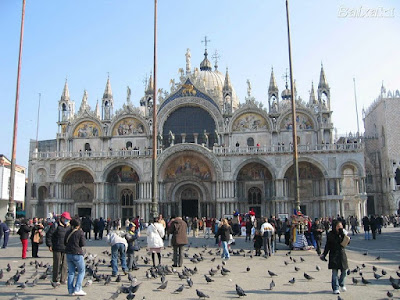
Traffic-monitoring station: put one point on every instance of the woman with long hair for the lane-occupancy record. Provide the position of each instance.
(74, 241)
(155, 235)
(225, 231)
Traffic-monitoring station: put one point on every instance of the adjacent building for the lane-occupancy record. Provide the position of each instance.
(215, 154)
(19, 186)
(382, 153)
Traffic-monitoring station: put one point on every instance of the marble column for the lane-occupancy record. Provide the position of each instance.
(195, 135)
(183, 137)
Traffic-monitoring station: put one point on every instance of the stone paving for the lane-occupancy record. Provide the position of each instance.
(255, 282)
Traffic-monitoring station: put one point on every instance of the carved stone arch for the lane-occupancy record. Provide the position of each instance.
(214, 112)
(83, 195)
(122, 116)
(313, 161)
(108, 168)
(245, 162)
(180, 185)
(166, 156)
(76, 123)
(250, 110)
(77, 166)
(306, 112)
(353, 163)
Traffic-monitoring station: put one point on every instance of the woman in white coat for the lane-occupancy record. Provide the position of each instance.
(155, 235)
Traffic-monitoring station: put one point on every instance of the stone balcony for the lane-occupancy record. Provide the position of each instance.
(219, 151)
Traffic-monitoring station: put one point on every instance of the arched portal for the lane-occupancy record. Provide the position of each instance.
(79, 186)
(42, 195)
(190, 201)
(254, 188)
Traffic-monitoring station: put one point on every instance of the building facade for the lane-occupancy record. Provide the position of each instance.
(19, 186)
(215, 154)
(382, 154)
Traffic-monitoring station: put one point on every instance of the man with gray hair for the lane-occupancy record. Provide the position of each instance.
(267, 230)
(119, 245)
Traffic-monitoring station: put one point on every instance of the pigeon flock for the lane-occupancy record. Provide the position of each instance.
(202, 273)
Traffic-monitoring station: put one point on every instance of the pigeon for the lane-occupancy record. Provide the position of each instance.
(365, 253)
(162, 278)
(378, 258)
(247, 269)
(208, 279)
(54, 284)
(302, 259)
(377, 276)
(318, 268)
(374, 269)
(223, 272)
(292, 281)
(200, 294)
(22, 266)
(389, 294)
(364, 281)
(88, 283)
(395, 286)
(8, 268)
(34, 282)
(240, 291)
(179, 289)
(163, 286)
(354, 280)
(296, 269)
(130, 296)
(108, 280)
(348, 272)
(383, 272)
(43, 276)
(189, 282)
(272, 285)
(308, 277)
(272, 274)
(23, 285)
(1, 274)
(286, 263)
(16, 297)
(339, 298)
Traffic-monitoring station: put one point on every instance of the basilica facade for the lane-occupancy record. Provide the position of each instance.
(215, 154)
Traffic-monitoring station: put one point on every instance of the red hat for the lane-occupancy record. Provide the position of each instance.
(66, 215)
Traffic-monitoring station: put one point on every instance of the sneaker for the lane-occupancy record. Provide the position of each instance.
(343, 289)
(336, 292)
(79, 293)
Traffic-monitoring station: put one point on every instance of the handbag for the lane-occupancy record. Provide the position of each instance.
(345, 241)
(231, 239)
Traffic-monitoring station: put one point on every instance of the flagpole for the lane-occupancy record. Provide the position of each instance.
(294, 125)
(37, 124)
(154, 200)
(355, 100)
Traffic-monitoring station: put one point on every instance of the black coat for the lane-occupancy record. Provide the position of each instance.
(75, 242)
(225, 232)
(337, 253)
(55, 237)
(86, 224)
(24, 231)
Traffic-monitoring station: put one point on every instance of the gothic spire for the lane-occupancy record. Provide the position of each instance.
(272, 82)
(97, 110)
(84, 103)
(322, 79)
(150, 86)
(65, 93)
(108, 91)
(227, 83)
(313, 100)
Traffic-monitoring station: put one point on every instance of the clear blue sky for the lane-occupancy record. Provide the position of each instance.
(83, 40)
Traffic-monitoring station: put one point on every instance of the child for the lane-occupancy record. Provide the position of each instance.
(258, 242)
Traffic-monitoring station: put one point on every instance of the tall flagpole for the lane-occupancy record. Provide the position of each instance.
(355, 100)
(294, 126)
(154, 200)
(37, 124)
(10, 213)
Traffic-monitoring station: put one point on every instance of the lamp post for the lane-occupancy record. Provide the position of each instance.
(294, 127)
(154, 200)
(10, 213)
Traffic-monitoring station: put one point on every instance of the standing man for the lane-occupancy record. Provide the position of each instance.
(317, 230)
(4, 230)
(119, 245)
(178, 229)
(267, 230)
(55, 241)
(101, 225)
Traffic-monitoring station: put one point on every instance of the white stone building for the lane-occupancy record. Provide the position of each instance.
(215, 154)
(19, 186)
(382, 153)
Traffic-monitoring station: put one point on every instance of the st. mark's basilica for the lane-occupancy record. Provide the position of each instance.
(215, 154)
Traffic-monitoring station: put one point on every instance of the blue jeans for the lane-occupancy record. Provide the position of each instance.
(75, 261)
(366, 235)
(338, 281)
(225, 251)
(118, 249)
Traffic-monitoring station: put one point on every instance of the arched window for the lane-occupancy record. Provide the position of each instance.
(397, 177)
(128, 145)
(254, 196)
(127, 198)
(64, 107)
(87, 147)
(250, 142)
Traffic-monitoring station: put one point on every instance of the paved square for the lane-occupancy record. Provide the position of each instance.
(255, 282)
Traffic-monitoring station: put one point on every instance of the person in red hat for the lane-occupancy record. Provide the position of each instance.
(55, 241)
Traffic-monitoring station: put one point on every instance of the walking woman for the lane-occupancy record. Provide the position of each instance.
(36, 237)
(74, 241)
(155, 235)
(335, 245)
(225, 231)
(23, 232)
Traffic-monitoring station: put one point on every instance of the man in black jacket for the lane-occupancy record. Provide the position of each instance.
(317, 230)
(55, 241)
